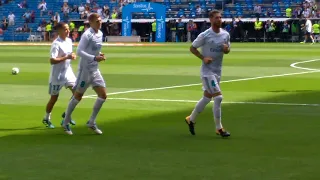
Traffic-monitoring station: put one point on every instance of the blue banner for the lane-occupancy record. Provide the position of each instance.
(142, 7)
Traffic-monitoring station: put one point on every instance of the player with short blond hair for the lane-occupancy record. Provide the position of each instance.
(89, 74)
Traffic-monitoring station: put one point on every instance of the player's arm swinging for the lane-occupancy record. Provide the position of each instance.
(196, 52)
(226, 46)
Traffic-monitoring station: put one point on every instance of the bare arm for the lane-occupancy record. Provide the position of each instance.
(196, 52)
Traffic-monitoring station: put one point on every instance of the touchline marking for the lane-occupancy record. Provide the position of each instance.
(187, 85)
(194, 101)
(233, 80)
(309, 69)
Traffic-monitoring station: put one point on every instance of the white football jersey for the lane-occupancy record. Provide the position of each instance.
(60, 48)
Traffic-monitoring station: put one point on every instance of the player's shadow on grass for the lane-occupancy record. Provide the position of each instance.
(237, 118)
(22, 129)
(263, 139)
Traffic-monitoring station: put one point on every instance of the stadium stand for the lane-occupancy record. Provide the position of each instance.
(175, 9)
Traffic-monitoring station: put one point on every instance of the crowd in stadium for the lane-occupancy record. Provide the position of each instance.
(44, 17)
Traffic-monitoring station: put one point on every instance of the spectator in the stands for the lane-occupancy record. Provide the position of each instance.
(198, 11)
(233, 29)
(48, 31)
(19, 29)
(285, 31)
(95, 6)
(257, 10)
(4, 23)
(194, 31)
(100, 12)
(65, 9)
(120, 10)
(1, 31)
(42, 7)
(306, 12)
(71, 26)
(27, 16)
(32, 16)
(56, 19)
(40, 29)
(51, 19)
(106, 12)
(1, 5)
(81, 10)
(180, 30)
(11, 18)
(295, 12)
(288, 12)
(23, 4)
(240, 29)
(134, 32)
(189, 29)
(87, 9)
(74, 9)
(114, 14)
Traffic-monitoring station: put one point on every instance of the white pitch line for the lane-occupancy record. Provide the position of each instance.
(187, 85)
(150, 89)
(309, 69)
(194, 101)
(233, 80)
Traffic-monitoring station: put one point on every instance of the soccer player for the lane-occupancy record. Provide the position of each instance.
(215, 42)
(61, 71)
(89, 74)
(308, 29)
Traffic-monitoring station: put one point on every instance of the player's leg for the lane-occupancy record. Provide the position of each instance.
(54, 90)
(99, 87)
(82, 83)
(202, 103)
(305, 38)
(311, 37)
(217, 99)
(70, 84)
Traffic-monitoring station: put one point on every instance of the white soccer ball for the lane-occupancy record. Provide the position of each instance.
(15, 71)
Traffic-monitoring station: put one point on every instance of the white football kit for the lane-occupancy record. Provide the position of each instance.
(89, 73)
(211, 44)
(61, 74)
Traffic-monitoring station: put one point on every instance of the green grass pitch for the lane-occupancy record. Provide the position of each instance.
(271, 109)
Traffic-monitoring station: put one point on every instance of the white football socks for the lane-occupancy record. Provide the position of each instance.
(96, 108)
(217, 111)
(72, 105)
(199, 108)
